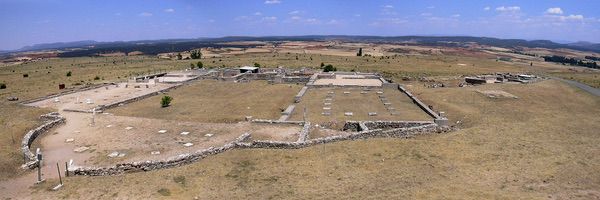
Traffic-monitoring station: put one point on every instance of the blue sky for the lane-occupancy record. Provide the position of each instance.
(26, 22)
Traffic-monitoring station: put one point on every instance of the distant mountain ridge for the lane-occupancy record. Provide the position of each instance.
(58, 45)
(170, 45)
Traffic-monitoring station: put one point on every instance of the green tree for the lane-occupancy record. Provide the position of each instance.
(359, 52)
(322, 65)
(329, 68)
(200, 64)
(195, 54)
(68, 73)
(166, 101)
(179, 56)
(256, 65)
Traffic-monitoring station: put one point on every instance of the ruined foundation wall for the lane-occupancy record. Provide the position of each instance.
(66, 92)
(238, 143)
(52, 119)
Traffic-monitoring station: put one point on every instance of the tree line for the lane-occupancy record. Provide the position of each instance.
(571, 61)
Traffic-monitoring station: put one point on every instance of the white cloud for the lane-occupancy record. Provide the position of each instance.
(389, 21)
(241, 18)
(295, 12)
(312, 20)
(258, 13)
(117, 14)
(426, 14)
(357, 15)
(211, 21)
(486, 8)
(556, 11)
(169, 10)
(145, 14)
(333, 21)
(388, 10)
(430, 7)
(272, 2)
(295, 18)
(571, 17)
(455, 15)
(508, 8)
(269, 19)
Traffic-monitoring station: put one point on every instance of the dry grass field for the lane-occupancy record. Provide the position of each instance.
(359, 104)
(43, 79)
(214, 101)
(541, 145)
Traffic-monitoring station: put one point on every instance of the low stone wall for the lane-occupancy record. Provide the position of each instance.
(440, 120)
(356, 126)
(300, 94)
(52, 119)
(394, 124)
(269, 121)
(75, 110)
(85, 88)
(395, 133)
(419, 103)
(153, 165)
(304, 132)
(238, 143)
(291, 79)
(134, 99)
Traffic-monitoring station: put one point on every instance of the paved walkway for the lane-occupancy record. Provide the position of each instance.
(587, 88)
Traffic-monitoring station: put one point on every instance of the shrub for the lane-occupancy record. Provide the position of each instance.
(165, 101)
(2, 86)
(69, 73)
(97, 78)
(329, 68)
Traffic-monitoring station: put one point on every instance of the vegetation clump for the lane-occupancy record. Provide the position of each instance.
(166, 101)
(69, 73)
(329, 68)
(2, 86)
(195, 54)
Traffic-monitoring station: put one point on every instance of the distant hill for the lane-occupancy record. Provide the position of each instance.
(152, 47)
(587, 45)
(58, 45)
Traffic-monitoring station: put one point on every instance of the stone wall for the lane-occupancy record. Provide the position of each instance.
(440, 120)
(300, 94)
(52, 119)
(304, 132)
(174, 161)
(239, 143)
(394, 124)
(269, 121)
(85, 88)
(356, 126)
(134, 99)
